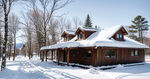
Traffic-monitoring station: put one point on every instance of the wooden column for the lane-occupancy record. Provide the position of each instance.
(122, 60)
(117, 54)
(98, 56)
(42, 56)
(102, 56)
(94, 57)
(58, 56)
(64, 55)
(68, 55)
(52, 55)
(46, 55)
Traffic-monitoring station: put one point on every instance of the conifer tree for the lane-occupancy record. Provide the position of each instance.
(132, 32)
(88, 22)
(141, 25)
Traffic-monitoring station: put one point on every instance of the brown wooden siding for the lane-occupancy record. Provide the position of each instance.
(88, 33)
(123, 56)
(70, 37)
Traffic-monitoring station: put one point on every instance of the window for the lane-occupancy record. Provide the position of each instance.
(80, 35)
(134, 53)
(110, 53)
(65, 38)
(119, 36)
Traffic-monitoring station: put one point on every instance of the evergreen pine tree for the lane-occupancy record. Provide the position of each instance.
(88, 22)
(132, 32)
(141, 25)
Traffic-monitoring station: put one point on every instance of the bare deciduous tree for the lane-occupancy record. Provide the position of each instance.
(0, 42)
(42, 16)
(28, 35)
(53, 31)
(6, 6)
(10, 44)
(36, 20)
(14, 28)
(0, 33)
(29, 40)
(49, 7)
(77, 22)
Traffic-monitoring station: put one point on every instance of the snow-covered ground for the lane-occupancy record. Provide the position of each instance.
(22, 68)
(147, 58)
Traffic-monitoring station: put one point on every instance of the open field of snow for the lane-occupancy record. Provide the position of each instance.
(23, 68)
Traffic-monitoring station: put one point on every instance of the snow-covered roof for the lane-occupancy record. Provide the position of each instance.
(72, 32)
(100, 38)
(88, 28)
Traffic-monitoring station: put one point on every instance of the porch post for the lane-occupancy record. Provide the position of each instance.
(57, 56)
(52, 55)
(97, 56)
(46, 55)
(94, 59)
(117, 54)
(42, 56)
(68, 54)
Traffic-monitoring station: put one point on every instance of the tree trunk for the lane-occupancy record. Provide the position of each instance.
(141, 36)
(0, 50)
(3, 65)
(14, 55)
(30, 50)
(9, 52)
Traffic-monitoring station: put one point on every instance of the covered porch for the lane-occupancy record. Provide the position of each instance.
(85, 56)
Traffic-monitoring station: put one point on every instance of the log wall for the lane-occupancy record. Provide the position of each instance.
(123, 56)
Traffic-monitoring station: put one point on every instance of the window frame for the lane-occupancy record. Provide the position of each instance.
(110, 55)
(134, 52)
(79, 36)
(65, 38)
(119, 36)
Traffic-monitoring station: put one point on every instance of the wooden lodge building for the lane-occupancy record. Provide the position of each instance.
(92, 46)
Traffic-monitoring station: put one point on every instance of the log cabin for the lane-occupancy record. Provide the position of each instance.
(97, 47)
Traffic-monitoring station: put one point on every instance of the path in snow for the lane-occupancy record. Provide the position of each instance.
(24, 69)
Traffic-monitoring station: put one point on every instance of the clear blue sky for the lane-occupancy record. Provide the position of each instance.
(104, 13)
